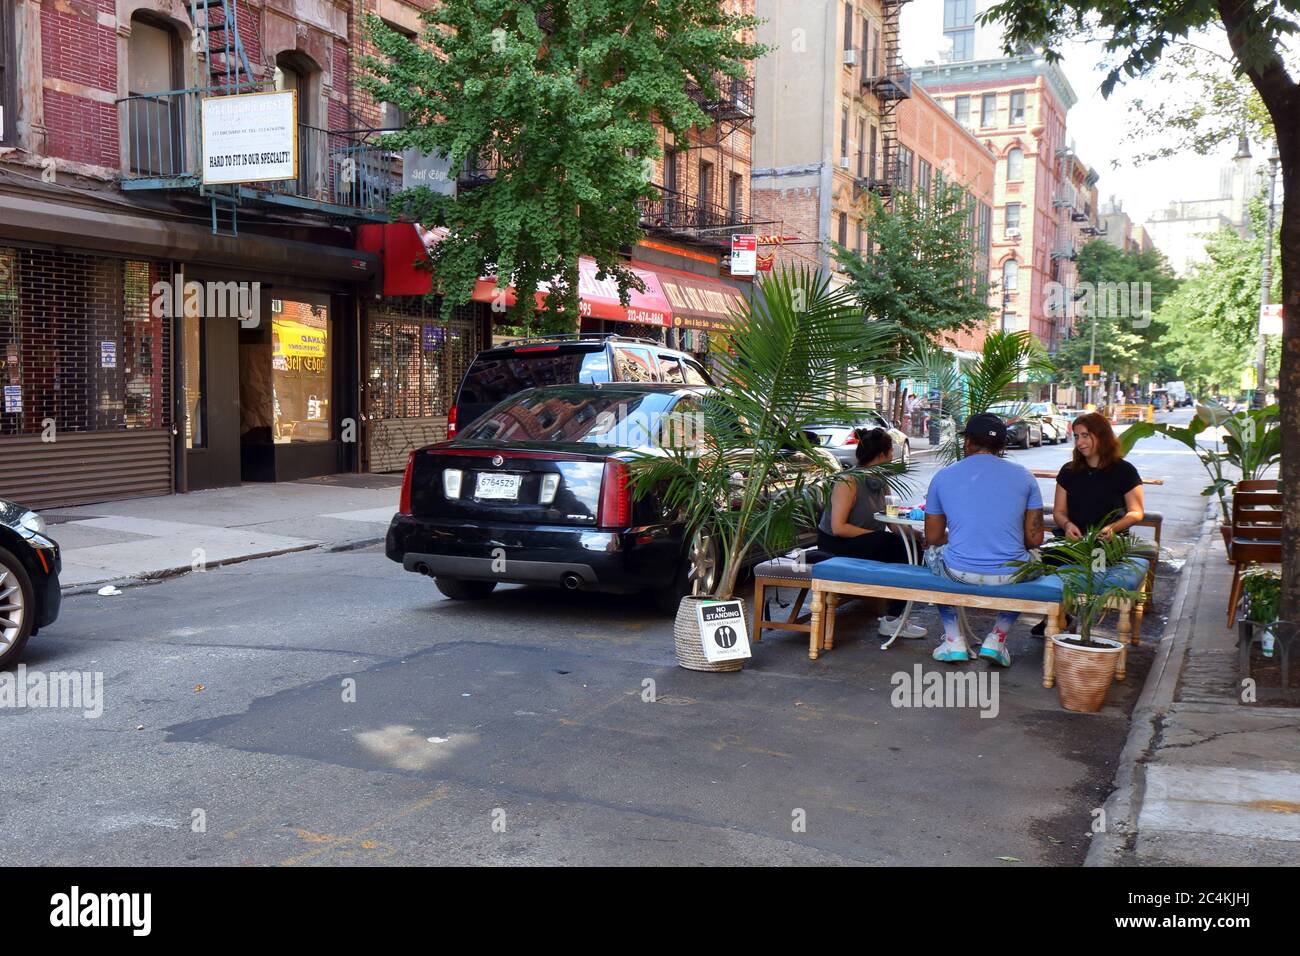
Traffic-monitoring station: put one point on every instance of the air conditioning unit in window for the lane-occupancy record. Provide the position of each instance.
(850, 57)
(844, 162)
(1013, 233)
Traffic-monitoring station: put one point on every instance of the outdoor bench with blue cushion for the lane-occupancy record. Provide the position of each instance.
(858, 577)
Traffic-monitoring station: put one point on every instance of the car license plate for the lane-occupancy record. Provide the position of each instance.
(501, 487)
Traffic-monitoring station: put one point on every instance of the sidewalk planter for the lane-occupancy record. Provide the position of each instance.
(686, 635)
(1084, 674)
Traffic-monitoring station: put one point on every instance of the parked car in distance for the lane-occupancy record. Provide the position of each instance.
(1023, 430)
(536, 492)
(497, 373)
(841, 441)
(1057, 426)
(29, 579)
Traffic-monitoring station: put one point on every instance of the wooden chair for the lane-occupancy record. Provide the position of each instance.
(1256, 536)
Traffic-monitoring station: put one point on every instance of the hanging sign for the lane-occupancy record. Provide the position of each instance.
(1270, 319)
(723, 635)
(744, 255)
(250, 138)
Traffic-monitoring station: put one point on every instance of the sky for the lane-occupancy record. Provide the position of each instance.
(1102, 129)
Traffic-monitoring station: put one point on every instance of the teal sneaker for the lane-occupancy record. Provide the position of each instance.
(952, 652)
(996, 651)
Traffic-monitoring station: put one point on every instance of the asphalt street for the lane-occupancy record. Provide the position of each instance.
(329, 708)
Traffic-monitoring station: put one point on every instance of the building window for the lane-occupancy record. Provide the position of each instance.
(1013, 217)
(961, 110)
(958, 13)
(923, 176)
(904, 175)
(871, 155)
(862, 140)
(859, 236)
(844, 135)
(735, 197)
(1015, 165)
(705, 195)
(301, 370)
(297, 73)
(844, 229)
(670, 169)
(8, 75)
(1010, 276)
(875, 51)
(989, 110)
(1017, 116)
(963, 45)
(848, 24)
(154, 118)
(1008, 321)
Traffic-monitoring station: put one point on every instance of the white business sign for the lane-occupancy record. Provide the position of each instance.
(1270, 319)
(250, 138)
(744, 255)
(723, 635)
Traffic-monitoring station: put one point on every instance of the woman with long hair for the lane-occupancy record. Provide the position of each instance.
(1097, 486)
(848, 527)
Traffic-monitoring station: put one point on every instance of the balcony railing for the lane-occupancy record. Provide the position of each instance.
(339, 172)
(681, 215)
(736, 102)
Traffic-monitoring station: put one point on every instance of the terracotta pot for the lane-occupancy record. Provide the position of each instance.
(1084, 674)
(686, 636)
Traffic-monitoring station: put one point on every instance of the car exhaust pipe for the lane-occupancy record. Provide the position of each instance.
(422, 568)
(571, 581)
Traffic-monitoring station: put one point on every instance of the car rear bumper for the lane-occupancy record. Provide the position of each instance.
(622, 561)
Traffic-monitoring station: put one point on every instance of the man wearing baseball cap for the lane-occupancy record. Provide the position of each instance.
(981, 513)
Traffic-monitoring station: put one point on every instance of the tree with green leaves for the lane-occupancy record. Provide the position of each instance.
(1136, 36)
(918, 268)
(564, 100)
(1126, 337)
(1209, 324)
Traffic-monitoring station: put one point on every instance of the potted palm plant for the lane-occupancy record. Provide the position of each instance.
(1263, 590)
(753, 481)
(1093, 571)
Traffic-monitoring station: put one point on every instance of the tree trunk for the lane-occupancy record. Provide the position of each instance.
(1288, 389)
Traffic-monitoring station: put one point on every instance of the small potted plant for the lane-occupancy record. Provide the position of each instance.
(1095, 571)
(1263, 589)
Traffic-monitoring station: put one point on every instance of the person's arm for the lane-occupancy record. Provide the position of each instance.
(1061, 515)
(1034, 528)
(1135, 511)
(842, 498)
(936, 529)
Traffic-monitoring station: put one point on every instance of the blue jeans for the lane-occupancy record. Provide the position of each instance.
(948, 613)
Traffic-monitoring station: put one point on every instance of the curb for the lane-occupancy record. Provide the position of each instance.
(154, 577)
(1122, 807)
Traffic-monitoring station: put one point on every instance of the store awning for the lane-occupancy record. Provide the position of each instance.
(403, 245)
(698, 302)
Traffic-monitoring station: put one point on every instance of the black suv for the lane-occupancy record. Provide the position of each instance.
(498, 373)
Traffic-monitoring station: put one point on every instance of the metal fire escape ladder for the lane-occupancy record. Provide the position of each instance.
(224, 70)
(891, 86)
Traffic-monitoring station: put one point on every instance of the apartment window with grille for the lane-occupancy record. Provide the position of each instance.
(961, 110)
(8, 75)
(862, 138)
(989, 110)
(155, 115)
(1013, 216)
(1015, 165)
(1017, 112)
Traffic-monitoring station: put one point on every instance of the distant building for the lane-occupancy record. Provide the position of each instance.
(1180, 229)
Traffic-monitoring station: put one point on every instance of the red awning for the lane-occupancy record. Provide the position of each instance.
(402, 245)
(698, 302)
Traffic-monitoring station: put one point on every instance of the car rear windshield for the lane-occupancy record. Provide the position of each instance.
(617, 419)
(492, 378)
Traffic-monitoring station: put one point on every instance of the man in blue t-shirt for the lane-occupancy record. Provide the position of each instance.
(981, 514)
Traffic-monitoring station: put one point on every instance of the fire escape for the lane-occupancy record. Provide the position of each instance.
(340, 174)
(889, 79)
(700, 218)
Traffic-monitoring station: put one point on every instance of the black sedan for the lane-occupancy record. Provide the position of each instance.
(29, 579)
(536, 492)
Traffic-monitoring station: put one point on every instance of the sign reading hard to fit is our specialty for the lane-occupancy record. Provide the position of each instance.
(250, 138)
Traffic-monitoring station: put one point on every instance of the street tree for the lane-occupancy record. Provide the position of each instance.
(1137, 36)
(562, 102)
(1128, 324)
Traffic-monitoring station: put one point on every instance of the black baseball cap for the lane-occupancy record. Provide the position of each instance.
(986, 425)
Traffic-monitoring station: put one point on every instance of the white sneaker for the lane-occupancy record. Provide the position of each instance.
(951, 652)
(888, 625)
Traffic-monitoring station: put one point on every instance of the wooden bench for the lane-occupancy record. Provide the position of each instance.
(857, 577)
(794, 570)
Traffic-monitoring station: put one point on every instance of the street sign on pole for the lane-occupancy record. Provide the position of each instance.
(744, 255)
(1270, 319)
(1092, 370)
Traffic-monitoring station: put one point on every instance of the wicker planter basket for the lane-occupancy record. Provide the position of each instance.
(1084, 674)
(686, 635)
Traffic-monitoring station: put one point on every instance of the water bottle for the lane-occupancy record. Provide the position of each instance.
(1266, 642)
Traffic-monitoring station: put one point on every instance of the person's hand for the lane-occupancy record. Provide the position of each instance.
(1107, 533)
(1072, 531)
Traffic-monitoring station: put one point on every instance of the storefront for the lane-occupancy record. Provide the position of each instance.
(144, 356)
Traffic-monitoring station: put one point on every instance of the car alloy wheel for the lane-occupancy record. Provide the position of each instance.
(13, 608)
(701, 563)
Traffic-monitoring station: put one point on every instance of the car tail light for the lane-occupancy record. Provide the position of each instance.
(404, 503)
(550, 485)
(452, 478)
(538, 348)
(451, 422)
(851, 439)
(615, 497)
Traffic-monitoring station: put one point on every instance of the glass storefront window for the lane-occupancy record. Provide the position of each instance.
(196, 433)
(301, 367)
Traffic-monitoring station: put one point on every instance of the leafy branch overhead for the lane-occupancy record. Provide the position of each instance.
(563, 100)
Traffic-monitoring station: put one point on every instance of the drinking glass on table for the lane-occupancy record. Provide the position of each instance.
(891, 506)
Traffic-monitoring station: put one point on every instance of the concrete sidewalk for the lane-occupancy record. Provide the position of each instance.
(143, 538)
(1206, 779)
